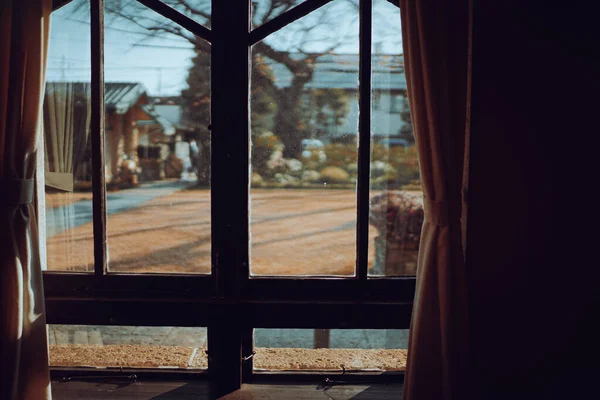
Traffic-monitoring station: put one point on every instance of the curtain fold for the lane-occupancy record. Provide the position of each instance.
(24, 30)
(436, 41)
(67, 113)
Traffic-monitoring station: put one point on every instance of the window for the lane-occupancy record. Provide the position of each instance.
(397, 103)
(106, 346)
(330, 350)
(376, 99)
(224, 177)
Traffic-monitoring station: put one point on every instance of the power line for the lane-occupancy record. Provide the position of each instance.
(123, 68)
(118, 29)
(165, 46)
(73, 59)
(123, 43)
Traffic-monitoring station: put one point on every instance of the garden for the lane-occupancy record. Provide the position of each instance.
(333, 165)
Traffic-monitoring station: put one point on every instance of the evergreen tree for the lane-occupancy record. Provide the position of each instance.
(195, 110)
(406, 131)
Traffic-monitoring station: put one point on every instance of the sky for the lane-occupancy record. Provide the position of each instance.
(161, 63)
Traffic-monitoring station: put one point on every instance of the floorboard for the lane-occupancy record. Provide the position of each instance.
(199, 390)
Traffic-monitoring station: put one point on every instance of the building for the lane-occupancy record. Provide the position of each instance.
(131, 122)
(132, 126)
(340, 71)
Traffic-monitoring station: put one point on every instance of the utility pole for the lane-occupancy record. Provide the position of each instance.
(63, 63)
(159, 81)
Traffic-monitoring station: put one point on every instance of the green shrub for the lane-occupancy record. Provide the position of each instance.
(311, 176)
(263, 147)
(334, 175)
(256, 180)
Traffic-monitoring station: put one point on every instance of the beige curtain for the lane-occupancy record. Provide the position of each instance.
(24, 29)
(67, 113)
(436, 41)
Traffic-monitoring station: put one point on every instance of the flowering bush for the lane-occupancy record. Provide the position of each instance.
(334, 175)
(313, 158)
(398, 216)
(391, 167)
(341, 155)
(267, 154)
(267, 140)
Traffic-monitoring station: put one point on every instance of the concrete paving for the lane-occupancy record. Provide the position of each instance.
(61, 219)
(196, 337)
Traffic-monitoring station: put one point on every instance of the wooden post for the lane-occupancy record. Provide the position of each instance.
(364, 140)
(321, 337)
(230, 129)
(97, 135)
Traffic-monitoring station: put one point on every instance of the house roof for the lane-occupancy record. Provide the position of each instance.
(172, 112)
(121, 96)
(168, 128)
(340, 71)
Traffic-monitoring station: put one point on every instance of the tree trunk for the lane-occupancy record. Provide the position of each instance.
(288, 122)
(203, 161)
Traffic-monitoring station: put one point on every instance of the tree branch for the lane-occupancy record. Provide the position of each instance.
(156, 26)
(282, 57)
(189, 8)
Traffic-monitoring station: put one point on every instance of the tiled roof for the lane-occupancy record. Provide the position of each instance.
(121, 96)
(168, 128)
(172, 112)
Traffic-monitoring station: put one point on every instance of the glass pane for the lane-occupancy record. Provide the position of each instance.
(198, 10)
(66, 112)
(330, 349)
(396, 214)
(157, 96)
(304, 119)
(265, 10)
(127, 346)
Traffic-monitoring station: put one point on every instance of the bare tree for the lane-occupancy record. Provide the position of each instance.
(297, 47)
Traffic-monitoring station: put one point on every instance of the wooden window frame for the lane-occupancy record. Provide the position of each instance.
(229, 302)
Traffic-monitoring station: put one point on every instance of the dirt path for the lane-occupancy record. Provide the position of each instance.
(294, 232)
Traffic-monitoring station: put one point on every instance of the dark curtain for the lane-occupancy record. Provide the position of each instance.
(24, 33)
(436, 41)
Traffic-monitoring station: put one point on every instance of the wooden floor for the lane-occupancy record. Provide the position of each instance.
(200, 390)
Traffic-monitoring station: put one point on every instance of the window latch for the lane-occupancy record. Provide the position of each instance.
(248, 357)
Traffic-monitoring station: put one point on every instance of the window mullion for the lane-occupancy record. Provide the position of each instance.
(179, 18)
(364, 139)
(97, 136)
(230, 113)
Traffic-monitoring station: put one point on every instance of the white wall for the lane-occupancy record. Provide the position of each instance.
(384, 120)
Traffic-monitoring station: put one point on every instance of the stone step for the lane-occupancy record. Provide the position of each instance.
(80, 337)
(95, 337)
(61, 337)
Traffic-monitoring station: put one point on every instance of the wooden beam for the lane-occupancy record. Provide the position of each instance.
(97, 136)
(56, 4)
(284, 19)
(180, 19)
(364, 140)
(228, 318)
(230, 133)
(197, 287)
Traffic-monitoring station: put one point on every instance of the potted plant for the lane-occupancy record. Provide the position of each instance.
(398, 216)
